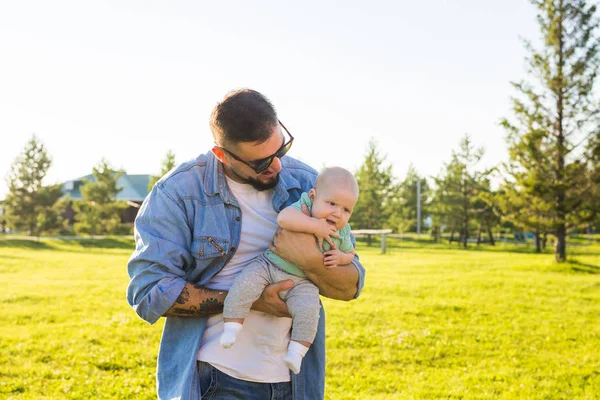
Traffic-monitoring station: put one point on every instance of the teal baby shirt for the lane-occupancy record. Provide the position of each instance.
(343, 243)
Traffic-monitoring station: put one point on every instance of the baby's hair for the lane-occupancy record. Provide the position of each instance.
(337, 176)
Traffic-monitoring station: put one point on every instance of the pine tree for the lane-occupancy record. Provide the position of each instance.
(485, 214)
(592, 205)
(99, 213)
(404, 214)
(555, 117)
(27, 198)
(457, 191)
(375, 182)
(52, 206)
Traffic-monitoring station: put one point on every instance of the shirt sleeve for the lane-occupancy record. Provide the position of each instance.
(346, 244)
(162, 238)
(359, 267)
(304, 199)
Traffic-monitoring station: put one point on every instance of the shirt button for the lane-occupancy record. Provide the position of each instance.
(237, 218)
(232, 249)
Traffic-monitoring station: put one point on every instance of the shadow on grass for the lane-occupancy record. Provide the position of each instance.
(57, 243)
(584, 268)
(24, 244)
(107, 243)
(501, 247)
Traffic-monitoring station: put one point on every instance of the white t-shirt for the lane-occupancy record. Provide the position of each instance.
(264, 338)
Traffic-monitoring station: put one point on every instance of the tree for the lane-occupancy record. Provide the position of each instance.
(485, 213)
(408, 193)
(458, 188)
(557, 115)
(403, 215)
(525, 201)
(99, 213)
(377, 192)
(448, 205)
(167, 165)
(52, 206)
(592, 205)
(27, 198)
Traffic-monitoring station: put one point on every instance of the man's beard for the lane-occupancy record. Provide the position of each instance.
(256, 184)
(260, 186)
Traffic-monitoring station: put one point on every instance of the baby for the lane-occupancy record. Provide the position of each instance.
(330, 202)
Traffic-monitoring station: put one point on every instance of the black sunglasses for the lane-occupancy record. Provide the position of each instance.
(261, 165)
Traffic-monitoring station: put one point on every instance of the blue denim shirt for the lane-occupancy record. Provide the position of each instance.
(186, 230)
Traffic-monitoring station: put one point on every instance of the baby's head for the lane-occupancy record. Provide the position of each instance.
(334, 196)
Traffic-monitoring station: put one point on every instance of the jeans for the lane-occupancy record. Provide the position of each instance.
(217, 385)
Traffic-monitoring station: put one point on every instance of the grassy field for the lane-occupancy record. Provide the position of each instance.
(433, 322)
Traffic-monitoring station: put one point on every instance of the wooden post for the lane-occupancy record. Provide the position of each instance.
(369, 234)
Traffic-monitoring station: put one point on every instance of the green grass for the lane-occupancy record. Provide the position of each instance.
(433, 322)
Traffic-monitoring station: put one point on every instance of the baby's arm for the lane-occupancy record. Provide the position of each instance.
(294, 220)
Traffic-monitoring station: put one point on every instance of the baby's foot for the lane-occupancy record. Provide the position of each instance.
(229, 334)
(293, 361)
(294, 356)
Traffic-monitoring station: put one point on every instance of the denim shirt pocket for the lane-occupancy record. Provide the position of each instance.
(209, 247)
(209, 253)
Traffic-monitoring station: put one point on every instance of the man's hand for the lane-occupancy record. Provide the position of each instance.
(270, 302)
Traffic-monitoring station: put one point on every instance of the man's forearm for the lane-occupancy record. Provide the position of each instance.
(346, 258)
(340, 283)
(197, 301)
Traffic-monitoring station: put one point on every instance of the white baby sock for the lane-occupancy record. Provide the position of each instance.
(294, 356)
(229, 334)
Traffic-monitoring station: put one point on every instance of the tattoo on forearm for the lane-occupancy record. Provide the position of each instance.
(181, 311)
(211, 306)
(204, 290)
(184, 296)
(208, 306)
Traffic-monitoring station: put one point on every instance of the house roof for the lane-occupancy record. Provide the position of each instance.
(133, 187)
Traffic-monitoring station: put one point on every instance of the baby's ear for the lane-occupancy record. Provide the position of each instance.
(311, 194)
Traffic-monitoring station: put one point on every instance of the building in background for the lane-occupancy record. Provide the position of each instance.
(134, 189)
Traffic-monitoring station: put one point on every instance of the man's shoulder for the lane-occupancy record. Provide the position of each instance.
(295, 166)
(186, 176)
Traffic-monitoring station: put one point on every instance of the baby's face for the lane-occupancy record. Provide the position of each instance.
(335, 204)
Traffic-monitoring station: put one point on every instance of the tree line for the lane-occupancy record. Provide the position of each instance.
(549, 187)
(35, 209)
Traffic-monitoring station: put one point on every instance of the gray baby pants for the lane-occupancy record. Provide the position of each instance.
(302, 299)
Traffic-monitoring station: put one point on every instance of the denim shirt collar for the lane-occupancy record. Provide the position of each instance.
(215, 183)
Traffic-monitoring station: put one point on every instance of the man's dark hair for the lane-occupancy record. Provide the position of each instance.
(244, 115)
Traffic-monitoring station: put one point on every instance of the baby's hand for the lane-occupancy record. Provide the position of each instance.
(324, 231)
(332, 258)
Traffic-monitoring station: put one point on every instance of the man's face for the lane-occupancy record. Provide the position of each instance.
(253, 151)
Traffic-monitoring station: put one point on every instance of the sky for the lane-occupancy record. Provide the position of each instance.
(127, 81)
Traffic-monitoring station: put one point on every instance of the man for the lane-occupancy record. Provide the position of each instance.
(200, 225)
